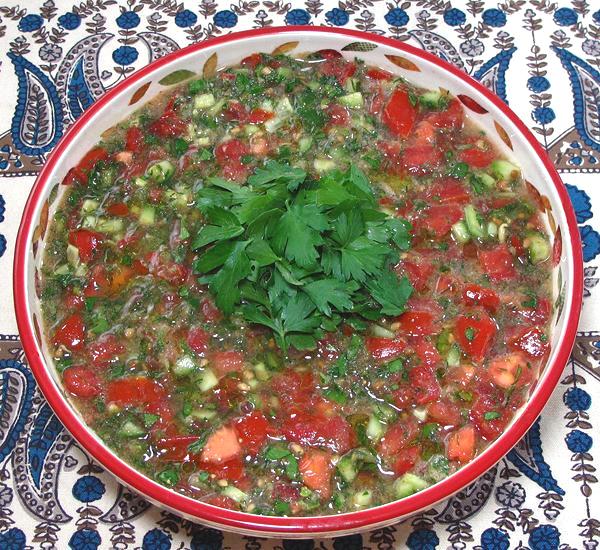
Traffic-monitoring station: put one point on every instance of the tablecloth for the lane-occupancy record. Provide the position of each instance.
(542, 57)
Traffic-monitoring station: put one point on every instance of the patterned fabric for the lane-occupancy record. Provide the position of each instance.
(540, 56)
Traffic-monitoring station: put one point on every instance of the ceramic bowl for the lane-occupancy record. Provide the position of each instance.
(503, 128)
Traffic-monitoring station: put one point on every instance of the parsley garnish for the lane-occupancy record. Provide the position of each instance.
(298, 255)
(492, 415)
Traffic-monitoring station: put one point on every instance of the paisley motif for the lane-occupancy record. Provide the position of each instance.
(127, 506)
(492, 74)
(438, 45)
(585, 85)
(38, 120)
(528, 458)
(78, 79)
(158, 44)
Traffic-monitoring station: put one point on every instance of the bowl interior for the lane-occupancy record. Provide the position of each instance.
(205, 59)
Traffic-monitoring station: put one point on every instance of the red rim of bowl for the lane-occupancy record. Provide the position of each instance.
(294, 526)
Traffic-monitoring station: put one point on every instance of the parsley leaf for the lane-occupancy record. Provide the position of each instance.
(390, 292)
(331, 291)
(277, 172)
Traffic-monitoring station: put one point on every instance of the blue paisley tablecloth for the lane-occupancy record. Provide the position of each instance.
(540, 56)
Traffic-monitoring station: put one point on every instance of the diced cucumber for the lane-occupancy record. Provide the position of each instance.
(351, 463)
(204, 101)
(538, 247)
(353, 100)
(304, 143)
(73, 255)
(282, 111)
(409, 484)
(460, 232)
(111, 225)
(203, 414)
(216, 108)
(324, 165)
(453, 357)
(147, 215)
(438, 468)
(261, 372)
(131, 429)
(140, 182)
(485, 179)
(375, 429)
(89, 206)
(234, 493)
(63, 269)
(420, 413)
(183, 366)
(203, 141)
(504, 170)
(208, 381)
(473, 224)
(251, 129)
(284, 107)
(81, 270)
(362, 499)
(178, 198)
(285, 72)
(492, 230)
(432, 99)
(89, 222)
(382, 332)
(161, 171)
(351, 84)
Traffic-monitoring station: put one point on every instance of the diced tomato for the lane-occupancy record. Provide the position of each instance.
(253, 430)
(221, 446)
(90, 159)
(540, 314)
(486, 405)
(223, 362)
(134, 139)
(169, 124)
(227, 393)
(338, 115)
(476, 157)
(258, 116)
(105, 349)
(327, 348)
(81, 381)
(337, 67)
(172, 272)
(74, 301)
(425, 384)
(98, 282)
(424, 134)
(139, 268)
(439, 219)
(531, 341)
(232, 470)
(475, 335)
(234, 110)
(406, 459)
(228, 155)
(418, 271)
(198, 339)
(211, 312)
(313, 430)
(452, 117)
(87, 242)
(379, 74)
(448, 191)
(461, 444)
(416, 323)
(445, 283)
(133, 391)
(119, 209)
(403, 397)
(498, 263)
(421, 158)
(252, 61)
(74, 175)
(509, 369)
(293, 387)
(461, 375)
(399, 114)
(384, 349)
(517, 243)
(444, 412)
(427, 353)
(399, 435)
(285, 492)
(475, 295)
(71, 333)
(223, 502)
(316, 469)
(175, 449)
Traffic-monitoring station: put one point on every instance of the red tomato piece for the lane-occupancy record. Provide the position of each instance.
(176, 448)
(74, 175)
(497, 263)
(425, 384)
(81, 381)
(71, 333)
(87, 242)
(91, 158)
(475, 335)
(439, 219)
(444, 412)
(293, 387)
(74, 301)
(338, 115)
(475, 295)
(461, 444)
(316, 469)
(228, 155)
(510, 369)
(540, 314)
(119, 209)
(174, 273)
(308, 429)
(223, 362)
(449, 190)
(105, 349)
(384, 349)
(222, 445)
(338, 68)
(406, 459)
(253, 430)
(398, 436)
(531, 341)
(494, 425)
(420, 158)
(399, 114)
(133, 391)
(452, 117)
(211, 312)
(252, 61)
(418, 270)
(232, 470)
(223, 502)
(258, 116)
(477, 158)
(235, 111)
(134, 139)
(379, 74)
(98, 283)
(198, 339)
(427, 353)
(169, 124)
(416, 323)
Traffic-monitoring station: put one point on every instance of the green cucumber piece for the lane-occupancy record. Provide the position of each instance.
(460, 232)
(183, 366)
(473, 224)
(504, 170)
(353, 100)
(538, 247)
(409, 484)
(131, 429)
(204, 101)
(208, 381)
(161, 171)
(147, 215)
